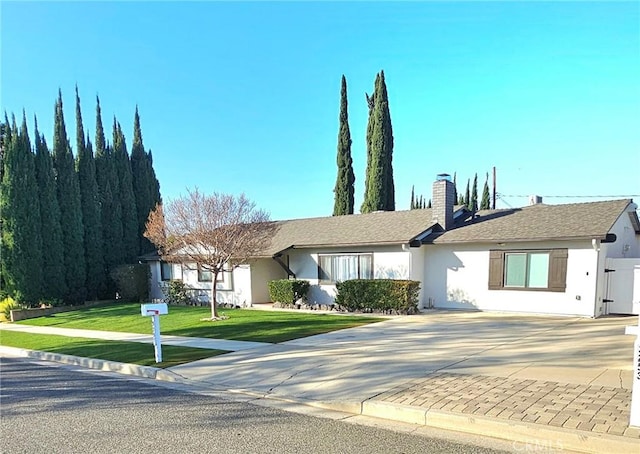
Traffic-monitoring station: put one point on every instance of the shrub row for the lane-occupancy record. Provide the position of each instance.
(378, 295)
(288, 291)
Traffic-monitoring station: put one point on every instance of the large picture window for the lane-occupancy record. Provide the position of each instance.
(528, 270)
(341, 267)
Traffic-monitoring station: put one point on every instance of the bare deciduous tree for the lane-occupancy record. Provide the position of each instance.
(218, 232)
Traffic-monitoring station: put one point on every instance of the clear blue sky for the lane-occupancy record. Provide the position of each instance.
(244, 97)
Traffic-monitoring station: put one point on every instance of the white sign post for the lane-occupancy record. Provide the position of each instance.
(634, 420)
(155, 311)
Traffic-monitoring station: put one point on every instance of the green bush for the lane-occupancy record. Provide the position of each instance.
(176, 292)
(380, 295)
(6, 306)
(288, 291)
(132, 281)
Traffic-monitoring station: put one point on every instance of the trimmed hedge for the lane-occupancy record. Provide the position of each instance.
(288, 291)
(378, 295)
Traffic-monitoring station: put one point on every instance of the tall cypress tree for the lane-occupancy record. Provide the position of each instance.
(379, 184)
(145, 184)
(111, 211)
(467, 198)
(21, 238)
(455, 188)
(387, 146)
(126, 197)
(53, 275)
(93, 243)
(473, 205)
(485, 204)
(412, 206)
(154, 183)
(369, 173)
(70, 209)
(344, 190)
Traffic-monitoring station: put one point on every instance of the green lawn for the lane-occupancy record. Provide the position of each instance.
(246, 325)
(125, 352)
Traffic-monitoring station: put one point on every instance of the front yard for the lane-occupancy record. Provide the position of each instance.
(242, 324)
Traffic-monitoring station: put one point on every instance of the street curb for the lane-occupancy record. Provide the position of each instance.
(549, 439)
(89, 363)
(532, 437)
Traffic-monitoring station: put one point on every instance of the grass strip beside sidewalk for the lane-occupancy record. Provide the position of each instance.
(124, 352)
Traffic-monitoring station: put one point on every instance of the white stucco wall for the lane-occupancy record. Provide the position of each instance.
(389, 262)
(237, 287)
(456, 277)
(188, 273)
(263, 271)
(627, 244)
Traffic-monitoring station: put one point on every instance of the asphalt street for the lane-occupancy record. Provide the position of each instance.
(48, 409)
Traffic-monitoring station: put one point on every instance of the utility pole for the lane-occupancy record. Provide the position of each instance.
(493, 196)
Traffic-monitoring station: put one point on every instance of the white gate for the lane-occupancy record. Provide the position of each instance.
(622, 286)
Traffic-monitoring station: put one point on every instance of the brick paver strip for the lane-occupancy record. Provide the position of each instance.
(599, 409)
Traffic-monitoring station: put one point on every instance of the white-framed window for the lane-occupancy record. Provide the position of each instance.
(342, 267)
(528, 270)
(204, 275)
(169, 272)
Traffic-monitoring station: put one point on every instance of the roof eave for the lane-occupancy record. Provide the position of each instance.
(522, 240)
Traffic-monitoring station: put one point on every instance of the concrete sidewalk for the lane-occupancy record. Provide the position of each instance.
(197, 342)
(547, 383)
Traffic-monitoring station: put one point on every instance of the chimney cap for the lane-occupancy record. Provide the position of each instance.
(443, 177)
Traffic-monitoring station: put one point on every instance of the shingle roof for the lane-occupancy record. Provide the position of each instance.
(384, 227)
(537, 223)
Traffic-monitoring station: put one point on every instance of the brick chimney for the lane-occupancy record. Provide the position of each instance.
(443, 201)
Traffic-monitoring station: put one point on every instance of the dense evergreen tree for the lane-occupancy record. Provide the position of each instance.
(412, 206)
(53, 275)
(145, 184)
(467, 198)
(379, 185)
(70, 209)
(126, 197)
(93, 243)
(473, 203)
(19, 205)
(455, 188)
(4, 127)
(485, 203)
(111, 210)
(344, 189)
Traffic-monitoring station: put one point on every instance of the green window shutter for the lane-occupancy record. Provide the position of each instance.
(558, 270)
(496, 270)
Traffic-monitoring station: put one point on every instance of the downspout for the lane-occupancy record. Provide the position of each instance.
(277, 258)
(596, 247)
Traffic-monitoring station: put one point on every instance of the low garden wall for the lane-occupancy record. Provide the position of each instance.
(25, 314)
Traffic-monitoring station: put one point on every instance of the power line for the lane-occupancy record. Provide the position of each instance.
(575, 196)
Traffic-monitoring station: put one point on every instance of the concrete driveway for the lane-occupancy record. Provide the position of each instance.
(359, 363)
